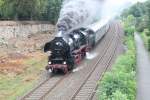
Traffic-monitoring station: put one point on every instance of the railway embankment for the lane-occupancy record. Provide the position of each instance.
(21, 56)
(11, 29)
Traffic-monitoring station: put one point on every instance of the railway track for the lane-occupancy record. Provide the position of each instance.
(86, 88)
(89, 86)
(43, 88)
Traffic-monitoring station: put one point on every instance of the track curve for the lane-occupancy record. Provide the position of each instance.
(80, 85)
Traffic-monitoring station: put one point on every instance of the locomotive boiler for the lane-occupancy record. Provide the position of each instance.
(69, 49)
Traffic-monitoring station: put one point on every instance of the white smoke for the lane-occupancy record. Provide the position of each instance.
(91, 55)
(75, 13)
(113, 8)
(77, 69)
(135, 1)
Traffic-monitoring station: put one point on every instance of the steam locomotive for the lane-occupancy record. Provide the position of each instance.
(68, 50)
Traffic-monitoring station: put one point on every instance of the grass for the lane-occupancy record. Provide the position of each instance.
(12, 86)
(120, 82)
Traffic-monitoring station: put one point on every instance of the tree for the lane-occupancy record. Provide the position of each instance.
(148, 13)
(30, 9)
(53, 9)
(141, 12)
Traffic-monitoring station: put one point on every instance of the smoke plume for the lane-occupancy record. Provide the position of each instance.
(113, 8)
(75, 13)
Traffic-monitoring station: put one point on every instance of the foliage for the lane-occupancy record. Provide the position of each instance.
(129, 30)
(120, 82)
(141, 12)
(147, 32)
(128, 24)
(30, 9)
(146, 37)
(149, 44)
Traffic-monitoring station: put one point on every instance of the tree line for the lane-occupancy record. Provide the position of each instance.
(138, 18)
(141, 13)
(44, 10)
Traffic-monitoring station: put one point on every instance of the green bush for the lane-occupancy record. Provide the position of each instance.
(129, 30)
(148, 44)
(146, 38)
(147, 32)
(117, 95)
(120, 82)
(141, 26)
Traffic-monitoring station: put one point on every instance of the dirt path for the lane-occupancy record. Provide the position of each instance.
(143, 70)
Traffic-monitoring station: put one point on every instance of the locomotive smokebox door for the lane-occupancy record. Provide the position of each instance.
(60, 53)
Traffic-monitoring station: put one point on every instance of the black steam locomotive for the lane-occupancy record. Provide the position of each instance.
(69, 49)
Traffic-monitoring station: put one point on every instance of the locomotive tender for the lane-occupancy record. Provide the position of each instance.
(69, 49)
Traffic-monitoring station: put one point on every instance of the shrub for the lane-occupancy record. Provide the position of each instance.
(147, 32)
(118, 95)
(129, 31)
(148, 44)
(146, 38)
(120, 82)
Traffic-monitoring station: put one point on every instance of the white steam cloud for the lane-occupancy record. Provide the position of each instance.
(76, 13)
(113, 8)
(91, 55)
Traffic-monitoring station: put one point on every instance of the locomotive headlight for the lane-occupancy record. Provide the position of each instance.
(49, 62)
(64, 62)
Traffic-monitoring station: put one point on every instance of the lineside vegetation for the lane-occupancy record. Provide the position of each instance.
(140, 13)
(41, 10)
(120, 82)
